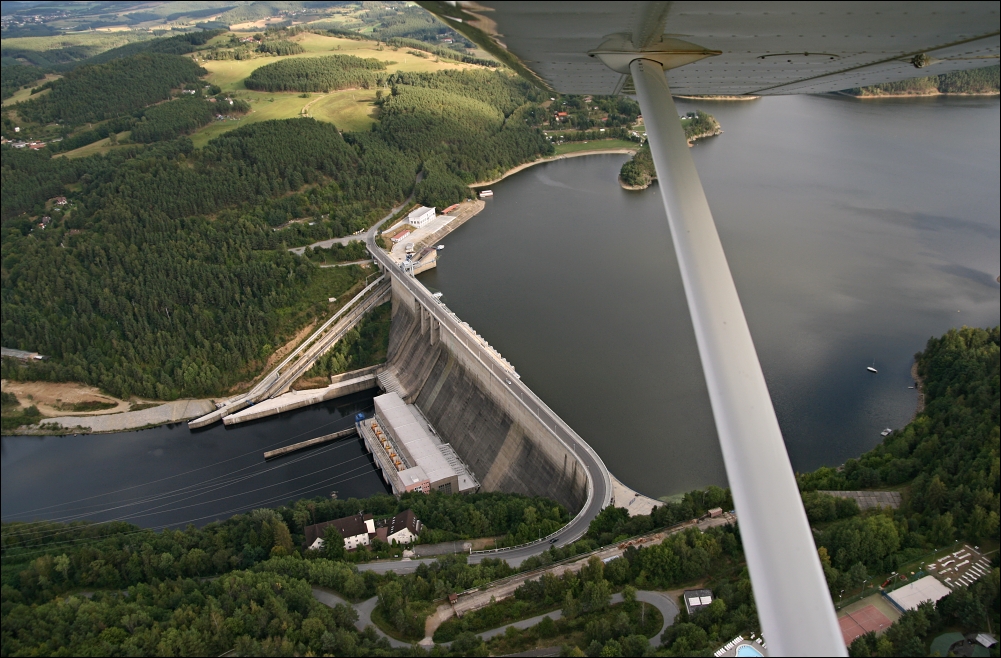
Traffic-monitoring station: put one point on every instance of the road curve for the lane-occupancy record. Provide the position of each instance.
(599, 480)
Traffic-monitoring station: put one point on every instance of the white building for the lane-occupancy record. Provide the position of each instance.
(420, 217)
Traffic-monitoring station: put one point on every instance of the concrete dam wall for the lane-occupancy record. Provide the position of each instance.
(474, 403)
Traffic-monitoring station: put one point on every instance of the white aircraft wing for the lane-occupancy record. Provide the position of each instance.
(654, 49)
(764, 47)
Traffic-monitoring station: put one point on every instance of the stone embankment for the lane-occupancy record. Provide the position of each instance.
(170, 412)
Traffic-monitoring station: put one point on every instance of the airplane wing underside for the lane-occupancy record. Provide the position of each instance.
(766, 48)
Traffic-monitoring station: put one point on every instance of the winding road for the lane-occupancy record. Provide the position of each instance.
(668, 610)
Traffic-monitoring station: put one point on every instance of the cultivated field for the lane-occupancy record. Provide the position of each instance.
(349, 109)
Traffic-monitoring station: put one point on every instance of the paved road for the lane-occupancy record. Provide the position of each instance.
(668, 610)
(364, 610)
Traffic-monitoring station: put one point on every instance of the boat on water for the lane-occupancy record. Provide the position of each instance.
(886, 432)
(872, 368)
(486, 193)
(440, 247)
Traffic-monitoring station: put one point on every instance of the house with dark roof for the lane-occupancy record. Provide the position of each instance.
(356, 531)
(360, 529)
(401, 529)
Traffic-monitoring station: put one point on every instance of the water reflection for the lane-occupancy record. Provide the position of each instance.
(854, 232)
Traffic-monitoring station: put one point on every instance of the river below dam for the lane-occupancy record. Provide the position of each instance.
(854, 230)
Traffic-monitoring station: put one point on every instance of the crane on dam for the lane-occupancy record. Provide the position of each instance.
(653, 49)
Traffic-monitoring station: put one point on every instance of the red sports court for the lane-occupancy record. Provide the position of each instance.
(861, 622)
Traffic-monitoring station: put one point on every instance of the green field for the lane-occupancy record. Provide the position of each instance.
(349, 109)
(24, 94)
(98, 40)
(230, 74)
(101, 146)
(595, 145)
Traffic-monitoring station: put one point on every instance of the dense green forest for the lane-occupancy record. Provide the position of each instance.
(365, 345)
(974, 81)
(106, 91)
(168, 120)
(280, 47)
(326, 73)
(464, 125)
(141, 294)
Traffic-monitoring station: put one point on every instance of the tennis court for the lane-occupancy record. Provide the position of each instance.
(861, 622)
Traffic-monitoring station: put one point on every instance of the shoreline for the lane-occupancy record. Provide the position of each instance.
(634, 188)
(919, 383)
(932, 94)
(725, 99)
(575, 154)
(125, 421)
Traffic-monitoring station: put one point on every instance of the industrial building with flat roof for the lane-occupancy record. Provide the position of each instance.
(420, 217)
(409, 454)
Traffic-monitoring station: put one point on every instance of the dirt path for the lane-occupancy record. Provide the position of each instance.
(305, 108)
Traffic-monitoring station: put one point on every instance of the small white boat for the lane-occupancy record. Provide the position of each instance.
(872, 368)
(486, 193)
(886, 432)
(440, 247)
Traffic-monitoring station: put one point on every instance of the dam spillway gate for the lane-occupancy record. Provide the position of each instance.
(510, 439)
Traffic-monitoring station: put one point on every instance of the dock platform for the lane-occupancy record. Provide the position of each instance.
(302, 445)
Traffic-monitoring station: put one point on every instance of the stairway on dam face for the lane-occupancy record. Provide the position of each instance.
(507, 448)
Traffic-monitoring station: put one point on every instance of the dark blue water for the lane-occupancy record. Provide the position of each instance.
(854, 231)
(171, 476)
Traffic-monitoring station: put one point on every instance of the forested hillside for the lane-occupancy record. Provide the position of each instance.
(136, 291)
(465, 127)
(106, 91)
(259, 604)
(316, 74)
(164, 276)
(974, 81)
(16, 76)
(168, 120)
(176, 45)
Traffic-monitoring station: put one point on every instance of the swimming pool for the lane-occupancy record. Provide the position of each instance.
(749, 651)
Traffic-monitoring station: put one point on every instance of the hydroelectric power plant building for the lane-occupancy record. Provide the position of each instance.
(409, 453)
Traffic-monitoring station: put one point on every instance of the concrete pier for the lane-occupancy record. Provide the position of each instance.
(297, 399)
(302, 445)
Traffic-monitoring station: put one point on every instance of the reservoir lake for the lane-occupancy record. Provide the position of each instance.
(855, 230)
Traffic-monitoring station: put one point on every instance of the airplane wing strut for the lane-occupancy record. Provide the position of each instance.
(794, 605)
